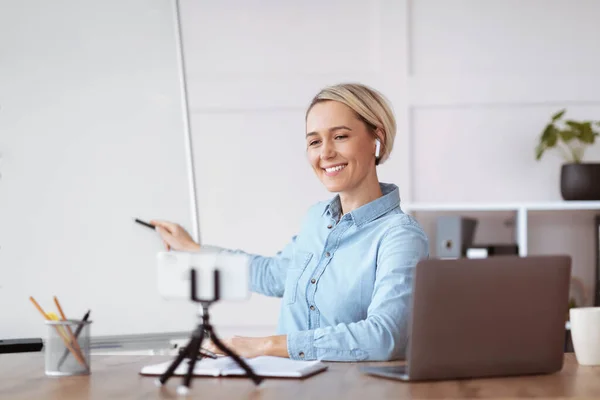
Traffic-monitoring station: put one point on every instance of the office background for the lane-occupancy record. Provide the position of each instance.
(91, 102)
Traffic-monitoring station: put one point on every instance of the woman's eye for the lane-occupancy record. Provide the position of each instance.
(313, 143)
(341, 136)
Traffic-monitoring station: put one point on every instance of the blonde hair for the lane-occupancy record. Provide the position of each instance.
(369, 105)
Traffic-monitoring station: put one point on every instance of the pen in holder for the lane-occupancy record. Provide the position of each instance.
(67, 347)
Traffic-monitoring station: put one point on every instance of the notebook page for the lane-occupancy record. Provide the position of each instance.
(277, 367)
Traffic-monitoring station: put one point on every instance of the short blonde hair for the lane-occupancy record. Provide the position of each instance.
(369, 105)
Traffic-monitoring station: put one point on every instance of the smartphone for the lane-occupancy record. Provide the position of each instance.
(173, 275)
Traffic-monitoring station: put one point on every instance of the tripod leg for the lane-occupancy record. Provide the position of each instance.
(257, 379)
(169, 372)
(195, 350)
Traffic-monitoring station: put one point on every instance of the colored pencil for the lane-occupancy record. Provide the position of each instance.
(64, 318)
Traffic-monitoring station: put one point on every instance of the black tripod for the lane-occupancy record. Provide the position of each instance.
(204, 329)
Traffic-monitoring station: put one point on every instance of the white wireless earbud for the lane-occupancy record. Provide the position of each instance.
(377, 148)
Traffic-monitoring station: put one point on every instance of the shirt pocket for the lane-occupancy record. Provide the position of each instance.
(299, 262)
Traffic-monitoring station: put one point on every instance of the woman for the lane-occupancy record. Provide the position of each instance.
(346, 277)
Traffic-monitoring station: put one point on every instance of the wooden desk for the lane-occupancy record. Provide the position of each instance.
(116, 377)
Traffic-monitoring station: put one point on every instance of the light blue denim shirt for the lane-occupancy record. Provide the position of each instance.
(347, 284)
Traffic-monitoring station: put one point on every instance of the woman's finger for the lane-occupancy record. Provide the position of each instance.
(169, 226)
(164, 236)
(163, 232)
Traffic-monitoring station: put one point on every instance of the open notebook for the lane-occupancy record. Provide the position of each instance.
(226, 366)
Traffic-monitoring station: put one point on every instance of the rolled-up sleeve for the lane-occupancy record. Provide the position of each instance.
(383, 334)
(267, 274)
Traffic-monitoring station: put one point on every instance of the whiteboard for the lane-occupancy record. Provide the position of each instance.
(92, 135)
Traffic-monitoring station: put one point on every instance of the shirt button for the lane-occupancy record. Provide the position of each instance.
(312, 308)
(313, 280)
(329, 226)
(327, 254)
(301, 354)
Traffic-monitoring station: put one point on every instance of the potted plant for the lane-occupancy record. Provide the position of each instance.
(578, 180)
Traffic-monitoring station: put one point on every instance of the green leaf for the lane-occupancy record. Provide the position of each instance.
(558, 115)
(578, 126)
(552, 138)
(567, 136)
(587, 134)
(539, 150)
(547, 132)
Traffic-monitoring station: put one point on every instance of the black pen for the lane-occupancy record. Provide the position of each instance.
(77, 332)
(139, 221)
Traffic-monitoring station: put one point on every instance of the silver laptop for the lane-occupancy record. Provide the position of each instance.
(474, 318)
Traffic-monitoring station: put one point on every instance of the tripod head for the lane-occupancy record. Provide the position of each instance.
(217, 276)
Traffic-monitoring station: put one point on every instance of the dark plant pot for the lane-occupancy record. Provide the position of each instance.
(580, 181)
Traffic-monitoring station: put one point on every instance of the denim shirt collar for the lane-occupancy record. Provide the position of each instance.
(369, 211)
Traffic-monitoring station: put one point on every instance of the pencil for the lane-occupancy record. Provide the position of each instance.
(75, 353)
(64, 318)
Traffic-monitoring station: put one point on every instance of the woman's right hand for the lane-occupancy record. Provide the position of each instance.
(174, 236)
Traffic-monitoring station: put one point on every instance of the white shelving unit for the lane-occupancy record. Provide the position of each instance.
(521, 209)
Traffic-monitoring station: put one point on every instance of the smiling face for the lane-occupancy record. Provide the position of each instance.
(340, 147)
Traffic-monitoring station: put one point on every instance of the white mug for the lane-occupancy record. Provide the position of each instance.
(585, 334)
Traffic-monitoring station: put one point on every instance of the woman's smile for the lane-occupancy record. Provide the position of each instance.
(334, 170)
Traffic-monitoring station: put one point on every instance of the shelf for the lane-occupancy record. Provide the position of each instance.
(526, 206)
(522, 210)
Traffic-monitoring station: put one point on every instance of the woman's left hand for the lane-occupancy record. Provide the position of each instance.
(250, 347)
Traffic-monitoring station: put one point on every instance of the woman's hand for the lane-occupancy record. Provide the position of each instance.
(174, 236)
(250, 347)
